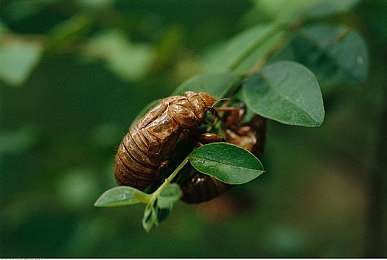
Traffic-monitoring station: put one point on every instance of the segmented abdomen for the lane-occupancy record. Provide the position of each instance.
(202, 187)
(153, 139)
(144, 148)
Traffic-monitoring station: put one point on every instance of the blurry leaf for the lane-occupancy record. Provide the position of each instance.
(65, 33)
(280, 10)
(285, 10)
(258, 54)
(150, 217)
(76, 187)
(163, 214)
(121, 196)
(215, 84)
(95, 4)
(286, 92)
(335, 54)
(243, 51)
(18, 57)
(169, 195)
(167, 49)
(330, 7)
(226, 162)
(127, 60)
(18, 140)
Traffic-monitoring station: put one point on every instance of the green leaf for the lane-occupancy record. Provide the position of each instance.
(215, 84)
(226, 162)
(150, 217)
(169, 195)
(243, 51)
(335, 54)
(121, 196)
(153, 215)
(163, 214)
(286, 92)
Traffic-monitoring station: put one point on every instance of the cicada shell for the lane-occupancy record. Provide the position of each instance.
(150, 143)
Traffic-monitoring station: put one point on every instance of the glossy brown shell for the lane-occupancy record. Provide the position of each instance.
(153, 139)
(202, 187)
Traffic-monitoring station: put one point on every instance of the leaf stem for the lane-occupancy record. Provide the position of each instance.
(169, 178)
(290, 28)
(252, 48)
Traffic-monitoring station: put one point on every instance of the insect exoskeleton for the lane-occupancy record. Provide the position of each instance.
(250, 135)
(146, 148)
(200, 187)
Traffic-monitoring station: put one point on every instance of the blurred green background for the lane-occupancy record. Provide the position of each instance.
(74, 74)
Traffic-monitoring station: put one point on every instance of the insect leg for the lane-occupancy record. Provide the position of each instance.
(207, 138)
(235, 116)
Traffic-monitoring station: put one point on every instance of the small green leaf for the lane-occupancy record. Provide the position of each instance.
(153, 215)
(286, 92)
(169, 195)
(226, 162)
(163, 214)
(150, 217)
(121, 196)
(215, 84)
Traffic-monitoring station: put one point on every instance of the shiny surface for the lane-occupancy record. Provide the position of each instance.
(149, 144)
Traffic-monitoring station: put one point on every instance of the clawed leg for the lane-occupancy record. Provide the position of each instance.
(236, 115)
(162, 166)
(230, 121)
(207, 138)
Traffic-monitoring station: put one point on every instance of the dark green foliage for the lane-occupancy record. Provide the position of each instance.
(74, 75)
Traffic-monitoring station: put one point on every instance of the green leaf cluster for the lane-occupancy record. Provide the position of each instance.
(275, 69)
(226, 162)
(157, 206)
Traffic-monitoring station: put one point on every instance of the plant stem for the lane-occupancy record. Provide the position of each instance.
(169, 178)
(252, 48)
(289, 29)
(277, 45)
